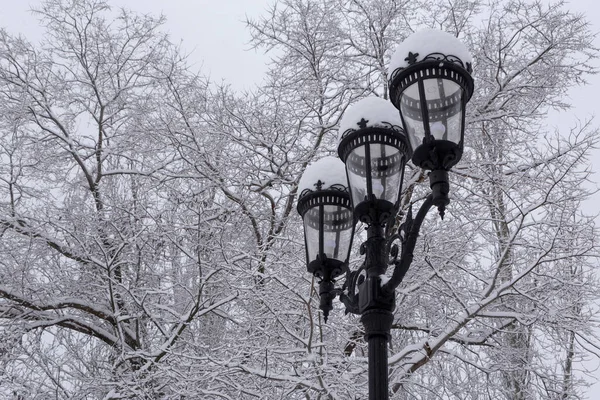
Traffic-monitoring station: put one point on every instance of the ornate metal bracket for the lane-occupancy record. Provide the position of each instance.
(357, 301)
(408, 232)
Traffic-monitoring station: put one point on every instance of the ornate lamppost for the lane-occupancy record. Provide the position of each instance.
(430, 85)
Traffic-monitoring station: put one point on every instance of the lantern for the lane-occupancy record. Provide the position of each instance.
(326, 210)
(374, 148)
(430, 84)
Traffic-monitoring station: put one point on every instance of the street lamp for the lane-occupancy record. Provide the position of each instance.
(374, 148)
(326, 210)
(430, 85)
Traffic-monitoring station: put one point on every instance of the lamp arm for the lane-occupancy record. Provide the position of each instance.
(350, 302)
(410, 229)
(348, 294)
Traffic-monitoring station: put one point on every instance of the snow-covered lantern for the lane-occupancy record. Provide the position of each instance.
(326, 210)
(374, 148)
(430, 84)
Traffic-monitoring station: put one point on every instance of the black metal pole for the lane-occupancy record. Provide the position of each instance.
(378, 368)
(376, 307)
(377, 323)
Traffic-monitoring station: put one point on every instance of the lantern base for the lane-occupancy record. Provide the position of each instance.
(327, 268)
(326, 295)
(440, 187)
(375, 210)
(437, 154)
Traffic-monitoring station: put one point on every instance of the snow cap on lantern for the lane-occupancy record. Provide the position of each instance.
(372, 144)
(323, 174)
(429, 43)
(369, 112)
(430, 84)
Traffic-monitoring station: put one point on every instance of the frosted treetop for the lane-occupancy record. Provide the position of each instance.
(322, 174)
(369, 112)
(427, 42)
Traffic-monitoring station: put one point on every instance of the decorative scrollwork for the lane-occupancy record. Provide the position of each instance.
(349, 294)
(306, 192)
(379, 124)
(446, 58)
(347, 132)
(389, 125)
(338, 187)
(450, 58)
(406, 226)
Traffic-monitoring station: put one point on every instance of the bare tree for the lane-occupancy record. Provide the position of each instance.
(105, 240)
(476, 306)
(150, 247)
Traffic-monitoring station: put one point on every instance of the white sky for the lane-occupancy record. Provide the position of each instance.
(214, 31)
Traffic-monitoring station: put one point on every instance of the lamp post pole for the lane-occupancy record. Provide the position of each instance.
(430, 86)
(376, 299)
(376, 309)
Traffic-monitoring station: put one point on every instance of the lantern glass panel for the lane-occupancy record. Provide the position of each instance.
(375, 169)
(311, 231)
(337, 227)
(444, 100)
(337, 232)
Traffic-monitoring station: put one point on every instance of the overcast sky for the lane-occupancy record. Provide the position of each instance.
(214, 31)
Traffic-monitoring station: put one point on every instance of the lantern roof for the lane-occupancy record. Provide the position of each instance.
(323, 174)
(430, 44)
(369, 112)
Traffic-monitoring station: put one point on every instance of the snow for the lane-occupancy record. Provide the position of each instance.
(425, 42)
(375, 111)
(384, 279)
(329, 170)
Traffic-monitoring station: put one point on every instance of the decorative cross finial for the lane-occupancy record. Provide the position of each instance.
(412, 58)
(362, 124)
(319, 185)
